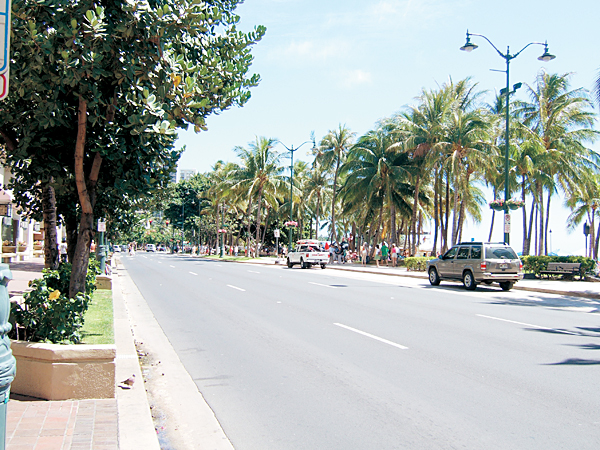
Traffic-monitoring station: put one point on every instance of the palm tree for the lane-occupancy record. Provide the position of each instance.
(332, 153)
(561, 120)
(315, 191)
(585, 203)
(378, 174)
(258, 176)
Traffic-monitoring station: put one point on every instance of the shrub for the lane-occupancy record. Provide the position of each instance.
(537, 264)
(47, 313)
(416, 263)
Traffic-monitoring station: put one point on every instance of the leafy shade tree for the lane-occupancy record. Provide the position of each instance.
(116, 81)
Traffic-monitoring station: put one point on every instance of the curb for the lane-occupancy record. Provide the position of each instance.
(588, 295)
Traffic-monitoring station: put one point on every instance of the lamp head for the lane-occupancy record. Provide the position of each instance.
(469, 46)
(546, 56)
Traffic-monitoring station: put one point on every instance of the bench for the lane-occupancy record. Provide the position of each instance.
(566, 269)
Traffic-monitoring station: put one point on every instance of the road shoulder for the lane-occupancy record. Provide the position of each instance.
(189, 423)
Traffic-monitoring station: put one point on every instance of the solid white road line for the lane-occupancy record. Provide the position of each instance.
(372, 336)
(193, 273)
(235, 287)
(324, 285)
(525, 324)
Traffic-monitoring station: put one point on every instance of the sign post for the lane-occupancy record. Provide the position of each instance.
(4, 46)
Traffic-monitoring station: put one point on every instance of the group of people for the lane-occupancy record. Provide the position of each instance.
(381, 253)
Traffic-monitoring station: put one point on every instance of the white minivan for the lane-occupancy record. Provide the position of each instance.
(150, 247)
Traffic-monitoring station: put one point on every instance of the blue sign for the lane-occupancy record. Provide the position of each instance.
(4, 34)
(4, 46)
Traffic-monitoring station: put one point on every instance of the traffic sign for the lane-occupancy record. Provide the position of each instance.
(507, 223)
(4, 46)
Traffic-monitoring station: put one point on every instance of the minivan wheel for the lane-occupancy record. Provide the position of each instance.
(469, 281)
(506, 285)
(289, 263)
(303, 264)
(434, 278)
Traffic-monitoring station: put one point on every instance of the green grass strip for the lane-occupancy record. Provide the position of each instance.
(98, 325)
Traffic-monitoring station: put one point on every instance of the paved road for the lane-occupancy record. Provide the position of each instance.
(318, 359)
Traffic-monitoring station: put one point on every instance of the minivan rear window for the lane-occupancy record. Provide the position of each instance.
(500, 253)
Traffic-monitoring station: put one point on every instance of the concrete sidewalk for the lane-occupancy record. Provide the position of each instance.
(123, 422)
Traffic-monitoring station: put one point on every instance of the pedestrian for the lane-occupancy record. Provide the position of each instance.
(377, 254)
(364, 254)
(394, 255)
(384, 253)
(236, 249)
(62, 250)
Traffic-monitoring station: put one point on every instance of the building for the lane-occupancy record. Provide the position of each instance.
(186, 174)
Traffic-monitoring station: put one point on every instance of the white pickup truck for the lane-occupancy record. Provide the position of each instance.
(308, 253)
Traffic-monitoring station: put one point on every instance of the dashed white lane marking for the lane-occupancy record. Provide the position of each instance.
(144, 257)
(324, 285)
(524, 324)
(171, 266)
(235, 287)
(193, 273)
(253, 271)
(160, 262)
(372, 336)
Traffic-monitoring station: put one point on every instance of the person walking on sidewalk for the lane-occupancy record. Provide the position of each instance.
(377, 254)
(384, 253)
(62, 250)
(394, 255)
(364, 253)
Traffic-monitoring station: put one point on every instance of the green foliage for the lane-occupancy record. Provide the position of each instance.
(47, 313)
(536, 264)
(416, 263)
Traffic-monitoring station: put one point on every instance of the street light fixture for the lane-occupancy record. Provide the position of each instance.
(546, 56)
(292, 150)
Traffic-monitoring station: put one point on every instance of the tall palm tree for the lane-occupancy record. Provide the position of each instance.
(258, 176)
(315, 190)
(585, 204)
(378, 175)
(332, 153)
(561, 120)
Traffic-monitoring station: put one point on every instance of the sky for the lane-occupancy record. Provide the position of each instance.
(354, 62)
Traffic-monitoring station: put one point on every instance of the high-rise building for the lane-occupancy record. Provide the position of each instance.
(186, 174)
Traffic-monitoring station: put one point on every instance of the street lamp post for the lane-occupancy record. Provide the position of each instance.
(546, 56)
(292, 150)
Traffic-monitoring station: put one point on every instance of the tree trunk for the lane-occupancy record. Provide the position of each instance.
(455, 212)
(71, 229)
(546, 225)
(530, 226)
(50, 238)
(525, 236)
(392, 223)
(436, 212)
(541, 223)
(248, 235)
(413, 221)
(262, 242)
(447, 213)
(335, 178)
(87, 198)
(260, 191)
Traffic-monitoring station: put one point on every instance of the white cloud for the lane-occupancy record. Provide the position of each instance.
(314, 50)
(356, 77)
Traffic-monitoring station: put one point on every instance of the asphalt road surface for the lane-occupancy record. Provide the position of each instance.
(318, 359)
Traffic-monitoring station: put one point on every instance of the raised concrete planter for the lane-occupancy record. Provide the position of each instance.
(61, 372)
(104, 282)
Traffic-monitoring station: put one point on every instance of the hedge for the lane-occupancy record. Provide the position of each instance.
(536, 264)
(416, 263)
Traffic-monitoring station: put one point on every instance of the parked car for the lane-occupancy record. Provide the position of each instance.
(477, 262)
(116, 249)
(150, 247)
(161, 248)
